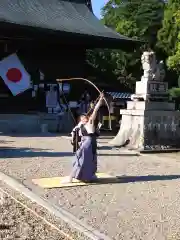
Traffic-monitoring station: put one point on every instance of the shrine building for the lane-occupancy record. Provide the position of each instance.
(50, 39)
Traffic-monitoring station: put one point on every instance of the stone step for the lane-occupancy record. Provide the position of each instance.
(19, 123)
(145, 105)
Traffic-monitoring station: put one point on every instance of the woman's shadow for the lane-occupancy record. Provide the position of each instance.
(133, 179)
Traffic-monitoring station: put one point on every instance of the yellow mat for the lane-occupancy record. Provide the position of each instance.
(55, 182)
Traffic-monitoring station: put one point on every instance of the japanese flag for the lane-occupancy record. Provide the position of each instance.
(14, 74)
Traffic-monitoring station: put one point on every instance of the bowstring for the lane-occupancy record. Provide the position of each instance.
(69, 109)
(67, 105)
(97, 99)
(91, 107)
(79, 78)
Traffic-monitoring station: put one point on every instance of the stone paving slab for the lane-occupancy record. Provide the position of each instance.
(145, 205)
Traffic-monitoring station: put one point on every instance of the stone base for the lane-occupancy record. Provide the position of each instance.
(151, 87)
(145, 105)
(150, 97)
(19, 123)
(31, 123)
(151, 90)
(149, 130)
(51, 120)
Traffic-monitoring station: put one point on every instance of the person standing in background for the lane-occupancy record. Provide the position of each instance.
(84, 102)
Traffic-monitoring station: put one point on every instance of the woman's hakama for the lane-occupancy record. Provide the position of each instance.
(85, 162)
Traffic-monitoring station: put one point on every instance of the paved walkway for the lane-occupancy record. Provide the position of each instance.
(144, 205)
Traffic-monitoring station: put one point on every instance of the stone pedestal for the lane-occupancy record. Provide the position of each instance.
(31, 123)
(150, 121)
(150, 90)
(55, 123)
(51, 120)
(149, 126)
(19, 123)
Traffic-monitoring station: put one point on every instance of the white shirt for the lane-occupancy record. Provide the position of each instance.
(89, 126)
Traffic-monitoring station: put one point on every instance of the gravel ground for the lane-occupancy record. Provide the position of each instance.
(20, 218)
(16, 222)
(145, 204)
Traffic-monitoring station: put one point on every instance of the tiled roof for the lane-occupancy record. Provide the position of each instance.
(120, 95)
(71, 16)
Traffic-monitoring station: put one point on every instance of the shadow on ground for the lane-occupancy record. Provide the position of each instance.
(119, 154)
(123, 180)
(49, 134)
(5, 227)
(10, 152)
(106, 137)
(5, 142)
(104, 148)
(134, 179)
(33, 134)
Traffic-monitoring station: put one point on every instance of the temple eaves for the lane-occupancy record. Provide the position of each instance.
(61, 16)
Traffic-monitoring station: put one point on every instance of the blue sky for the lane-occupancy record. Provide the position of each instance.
(97, 5)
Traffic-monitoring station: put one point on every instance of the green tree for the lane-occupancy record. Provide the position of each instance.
(174, 60)
(174, 92)
(113, 64)
(139, 19)
(169, 34)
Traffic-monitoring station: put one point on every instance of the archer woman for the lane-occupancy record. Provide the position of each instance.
(85, 162)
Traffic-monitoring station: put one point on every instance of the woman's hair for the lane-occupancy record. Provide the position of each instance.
(83, 115)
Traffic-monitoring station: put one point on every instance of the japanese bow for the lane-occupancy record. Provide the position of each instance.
(88, 81)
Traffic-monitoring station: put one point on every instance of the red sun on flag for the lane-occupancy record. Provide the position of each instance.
(14, 75)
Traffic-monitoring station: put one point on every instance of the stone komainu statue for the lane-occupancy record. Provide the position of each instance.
(152, 70)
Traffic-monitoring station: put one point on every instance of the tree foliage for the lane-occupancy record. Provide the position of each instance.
(114, 64)
(136, 18)
(174, 92)
(169, 34)
(139, 19)
(174, 60)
